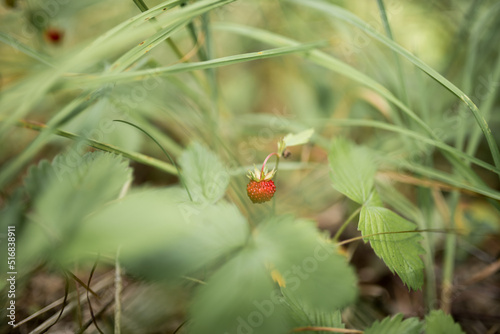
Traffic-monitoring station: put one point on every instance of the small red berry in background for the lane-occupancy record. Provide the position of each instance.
(54, 35)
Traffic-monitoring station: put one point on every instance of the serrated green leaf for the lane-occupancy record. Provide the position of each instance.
(306, 266)
(160, 234)
(395, 325)
(298, 138)
(204, 174)
(70, 189)
(307, 316)
(80, 184)
(400, 251)
(352, 170)
(239, 298)
(137, 223)
(293, 254)
(208, 234)
(437, 322)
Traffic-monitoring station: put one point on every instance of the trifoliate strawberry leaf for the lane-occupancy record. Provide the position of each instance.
(137, 223)
(352, 170)
(72, 188)
(239, 298)
(400, 251)
(305, 265)
(437, 322)
(395, 325)
(211, 233)
(160, 233)
(204, 174)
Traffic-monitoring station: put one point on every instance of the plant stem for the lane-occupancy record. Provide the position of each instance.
(449, 258)
(143, 7)
(118, 293)
(343, 227)
(172, 161)
(267, 158)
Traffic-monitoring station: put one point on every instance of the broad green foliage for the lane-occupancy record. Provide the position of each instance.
(79, 184)
(352, 170)
(159, 232)
(178, 72)
(437, 322)
(400, 251)
(66, 191)
(137, 223)
(198, 240)
(309, 267)
(239, 298)
(304, 267)
(395, 325)
(158, 237)
(204, 174)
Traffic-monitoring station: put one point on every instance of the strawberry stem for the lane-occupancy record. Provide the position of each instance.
(265, 162)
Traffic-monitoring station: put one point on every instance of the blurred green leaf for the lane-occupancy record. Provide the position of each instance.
(160, 233)
(395, 325)
(293, 254)
(205, 236)
(400, 251)
(37, 178)
(437, 322)
(204, 174)
(306, 316)
(298, 138)
(137, 223)
(308, 267)
(80, 184)
(67, 191)
(352, 170)
(239, 298)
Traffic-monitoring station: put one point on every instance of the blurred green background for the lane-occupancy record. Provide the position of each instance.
(77, 66)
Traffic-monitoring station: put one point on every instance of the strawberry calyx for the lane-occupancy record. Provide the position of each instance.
(261, 175)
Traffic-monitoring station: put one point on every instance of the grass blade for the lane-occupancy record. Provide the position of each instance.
(186, 67)
(342, 14)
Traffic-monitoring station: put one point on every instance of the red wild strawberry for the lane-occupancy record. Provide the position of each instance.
(261, 188)
(54, 35)
(260, 192)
